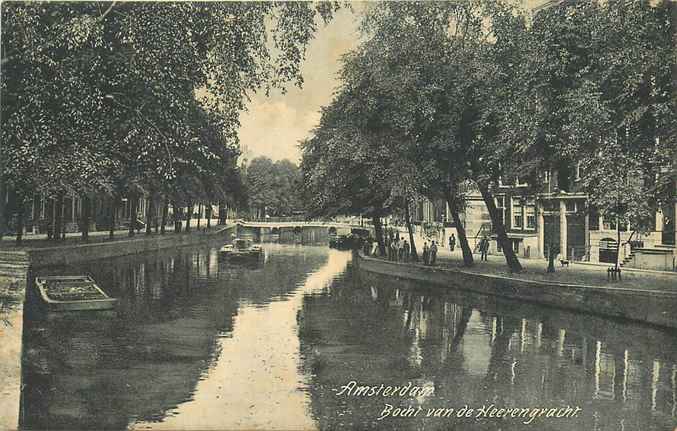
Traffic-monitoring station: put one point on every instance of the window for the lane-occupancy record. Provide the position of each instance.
(530, 211)
(571, 206)
(516, 210)
(546, 176)
(518, 183)
(500, 207)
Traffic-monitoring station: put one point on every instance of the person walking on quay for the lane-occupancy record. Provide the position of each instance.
(426, 251)
(433, 253)
(366, 246)
(389, 251)
(484, 248)
(406, 250)
(374, 247)
(452, 242)
(401, 250)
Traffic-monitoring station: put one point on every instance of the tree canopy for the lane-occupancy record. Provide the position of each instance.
(122, 97)
(470, 92)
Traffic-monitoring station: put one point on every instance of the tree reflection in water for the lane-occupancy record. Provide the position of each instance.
(139, 363)
(174, 333)
(479, 350)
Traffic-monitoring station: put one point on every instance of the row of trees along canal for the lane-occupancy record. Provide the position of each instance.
(440, 96)
(112, 100)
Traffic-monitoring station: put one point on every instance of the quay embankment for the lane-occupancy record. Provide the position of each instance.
(14, 262)
(641, 303)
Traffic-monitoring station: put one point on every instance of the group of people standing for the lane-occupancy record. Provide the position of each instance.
(398, 249)
(429, 253)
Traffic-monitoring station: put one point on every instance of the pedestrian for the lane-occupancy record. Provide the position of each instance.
(389, 251)
(406, 250)
(433, 253)
(401, 251)
(366, 247)
(484, 248)
(426, 251)
(452, 242)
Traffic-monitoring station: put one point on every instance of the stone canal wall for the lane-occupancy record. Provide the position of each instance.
(649, 306)
(14, 264)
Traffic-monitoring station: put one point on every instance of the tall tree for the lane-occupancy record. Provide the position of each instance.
(117, 84)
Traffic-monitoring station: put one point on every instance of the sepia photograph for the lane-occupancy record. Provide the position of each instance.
(425, 215)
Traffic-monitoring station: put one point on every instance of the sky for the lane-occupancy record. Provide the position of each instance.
(274, 125)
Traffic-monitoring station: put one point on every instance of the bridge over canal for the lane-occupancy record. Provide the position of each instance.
(260, 229)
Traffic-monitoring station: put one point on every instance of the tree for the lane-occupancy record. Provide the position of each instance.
(124, 80)
(343, 168)
(432, 91)
(596, 91)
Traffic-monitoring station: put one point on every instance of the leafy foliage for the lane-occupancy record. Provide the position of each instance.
(273, 187)
(125, 97)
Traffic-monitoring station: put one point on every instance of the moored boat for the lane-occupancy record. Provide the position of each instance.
(72, 293)
(241, 248)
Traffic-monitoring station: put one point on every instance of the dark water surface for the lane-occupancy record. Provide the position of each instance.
(201, 344)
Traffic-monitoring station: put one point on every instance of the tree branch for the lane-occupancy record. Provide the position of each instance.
(103, 15)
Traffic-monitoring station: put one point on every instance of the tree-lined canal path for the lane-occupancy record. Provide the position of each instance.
(202, 344)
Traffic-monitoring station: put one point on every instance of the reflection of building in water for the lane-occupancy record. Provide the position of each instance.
(478, 349)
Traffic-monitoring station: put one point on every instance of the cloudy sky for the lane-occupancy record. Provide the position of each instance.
(274, 125)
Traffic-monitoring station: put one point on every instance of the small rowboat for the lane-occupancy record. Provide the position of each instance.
(72, 293)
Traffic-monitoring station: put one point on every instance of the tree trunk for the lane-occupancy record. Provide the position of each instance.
(58, 211)
(189, 215)
(49, 218)
(673, 27)
(113, 209)
(618, 242)
(134, 203)
(208, 214)
(222, 213)
(85, 218)
(63, 219)
(150, 208)
(3, 196)
(199, 215)
(20, 220)
(165, 211)
(378, 230)
(468, 259)
(156, 222)
(407, 220)
(178, 215)
(499, 228)
(551, 258)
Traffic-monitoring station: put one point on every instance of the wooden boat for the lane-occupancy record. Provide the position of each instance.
(72, 293)
(241, 248)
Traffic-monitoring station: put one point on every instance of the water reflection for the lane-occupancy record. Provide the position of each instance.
(477, 350)
(107, 371)
(201, 344)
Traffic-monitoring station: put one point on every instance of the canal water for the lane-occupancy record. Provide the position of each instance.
(292, 342)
